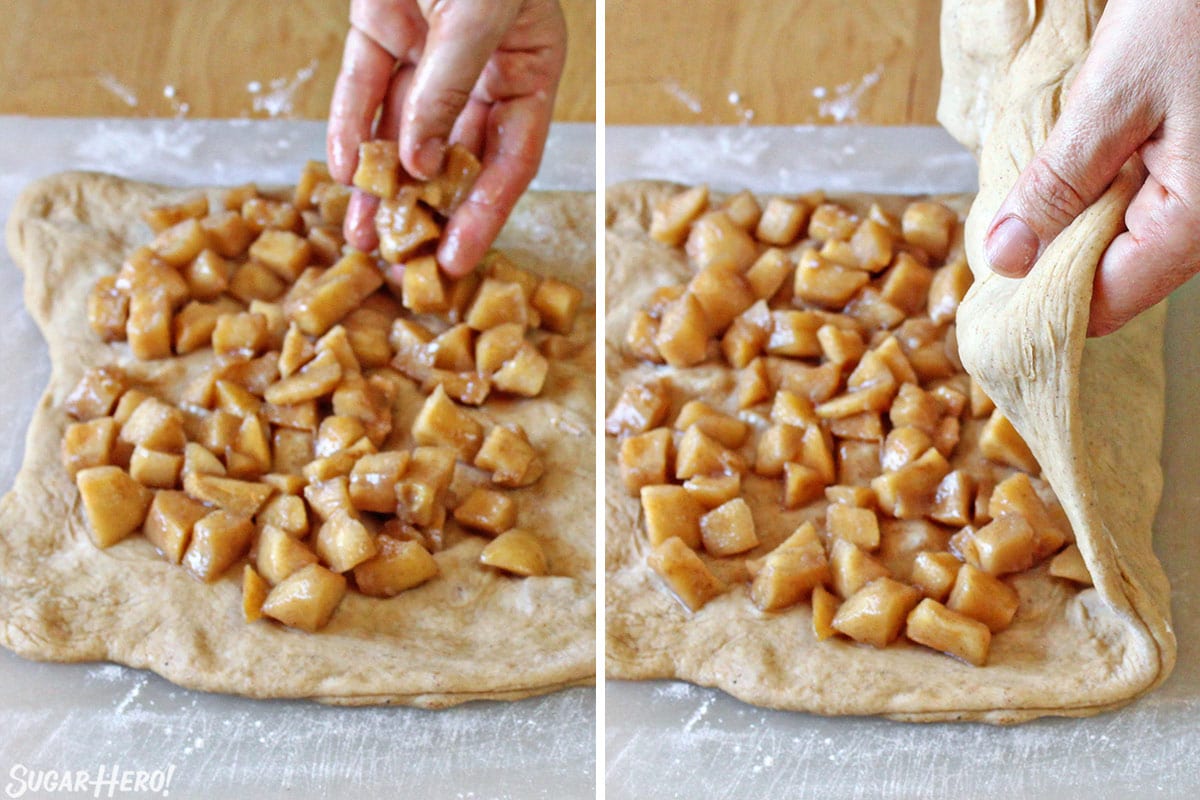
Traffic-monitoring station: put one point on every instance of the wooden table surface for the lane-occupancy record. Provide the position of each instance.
(668, 61)
(772, 62)
(207, 58)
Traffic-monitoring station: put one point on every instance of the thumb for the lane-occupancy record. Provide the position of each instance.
(463, 35)
(1085, 150)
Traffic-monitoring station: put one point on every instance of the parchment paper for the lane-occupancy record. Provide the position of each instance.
(693, 742)
(82, 716)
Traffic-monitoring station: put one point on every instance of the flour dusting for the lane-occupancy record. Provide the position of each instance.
(279, 96)
(689, 100)
(132, 146)
(131, 695)
(743, 111)
(676, 690)
(109, 673)
(699, 714)
(843, 106)
(122, 91)
(179, 106)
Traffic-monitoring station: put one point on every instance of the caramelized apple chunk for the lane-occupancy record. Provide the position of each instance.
(508, 455)
(343, 542)
(984, 598)
(443, 423)
(334, 294)
(684, 573)
(515, 551)
(1069, 564)
(306, 599)
(939, 628)
(108, 309)
(876, 613)
(487, 511)
(524, 373)
(159, 218)
(218, 540)
(728, 529)
(498, 303)
(404, 225)
(929, 226)
(96, 394)
(683, 333)
(824, 609)
(114, 503)
(671, 511)
(791, 571)
(279, 555)
(557, 303)
(237, 496)
(254, 594)
(672, 216)
(451, 187)
(1001, 443)
(396, 567)
(378, 170)
(640, 407)
(89, 444)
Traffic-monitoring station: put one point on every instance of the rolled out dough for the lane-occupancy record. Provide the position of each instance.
(1092, 411)
(470, 634)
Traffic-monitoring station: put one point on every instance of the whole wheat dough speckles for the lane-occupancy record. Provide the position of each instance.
(1068, 652)
(1092, 409)
(480, 635)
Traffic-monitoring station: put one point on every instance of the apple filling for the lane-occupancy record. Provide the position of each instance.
(281, 456)
(918, 502)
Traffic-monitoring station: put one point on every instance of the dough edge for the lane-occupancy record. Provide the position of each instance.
(191, 633)
(771, 662)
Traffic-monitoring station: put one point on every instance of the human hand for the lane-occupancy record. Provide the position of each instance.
(1138, 91)
(483, 74)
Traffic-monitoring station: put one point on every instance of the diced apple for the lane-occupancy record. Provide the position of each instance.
(306, 599)
(397, 567)
(218, 540)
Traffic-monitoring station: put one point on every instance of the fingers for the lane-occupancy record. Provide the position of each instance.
(388, 126)
(1097, 133)
(360, 87)
(397, 26)
(1142, 266)
(516, 138)
(359, 225)
(471, 127)
(462, 36)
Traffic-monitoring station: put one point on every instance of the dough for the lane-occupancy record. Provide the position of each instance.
(1092, 411)
(471, 633)
(1068, 652)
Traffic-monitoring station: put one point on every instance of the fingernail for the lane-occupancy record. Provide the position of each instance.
(1011, 247)
(429, 158)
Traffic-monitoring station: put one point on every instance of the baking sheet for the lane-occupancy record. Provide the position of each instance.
(93, 717)
(690, 742)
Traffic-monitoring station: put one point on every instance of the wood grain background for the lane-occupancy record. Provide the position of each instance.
(668, 61)
(772, 62)
(207, 58)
